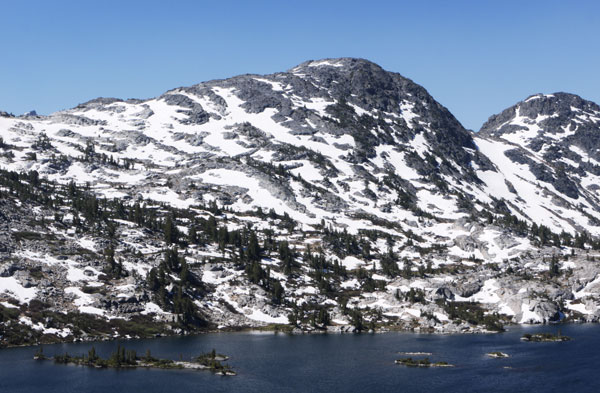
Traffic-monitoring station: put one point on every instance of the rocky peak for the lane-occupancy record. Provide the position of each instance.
(557, 103)
(401, 104)
(364, 82)
(556, 126)
(540, 116)
(343, 64)
(344, 96)
(557, 136)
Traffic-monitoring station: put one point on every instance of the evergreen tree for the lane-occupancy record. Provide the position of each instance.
(109, 256)
(356, 320)
(192, 235)
(253, 250)
(92, 356)
(172, 260)
(278, 292)
(170, 231)
(389, 264)
(287, 257)
(152, 281)
(554, 268)
(184, 274)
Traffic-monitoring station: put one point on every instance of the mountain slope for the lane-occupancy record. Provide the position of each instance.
(545, 146)
(336, 190)
(335, 124)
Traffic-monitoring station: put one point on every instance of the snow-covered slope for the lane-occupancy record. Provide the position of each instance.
(342, 125)
(546, 148)
(333, 146)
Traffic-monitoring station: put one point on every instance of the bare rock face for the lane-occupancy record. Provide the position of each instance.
(444, 293)
(7, 269)
(468, 288)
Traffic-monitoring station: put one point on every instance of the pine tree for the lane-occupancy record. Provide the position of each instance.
(170, 231)
(554, 268)
(192, 235)
(287, 257)
(357, 320)
(119, 268)
(253, 250)
(278, 292)
(172, 260)
(109, 255)
(184, 275)
(152, 281)
(92, 356)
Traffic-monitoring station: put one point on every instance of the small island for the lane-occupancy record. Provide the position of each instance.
(410, 362)
(498, 355)
(545, 337)
(123, 358)
(416, 353)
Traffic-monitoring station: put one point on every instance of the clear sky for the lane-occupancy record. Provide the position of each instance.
(475, 57)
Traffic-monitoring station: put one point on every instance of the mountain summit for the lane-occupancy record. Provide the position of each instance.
(542, 118)
(558, 137)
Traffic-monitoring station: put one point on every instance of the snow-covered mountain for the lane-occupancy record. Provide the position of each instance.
(342, 125)
(410, 213)
(546, 147)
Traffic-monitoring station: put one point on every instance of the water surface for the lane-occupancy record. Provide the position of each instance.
(268, 362)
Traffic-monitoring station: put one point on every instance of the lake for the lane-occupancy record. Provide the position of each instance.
(268, 362)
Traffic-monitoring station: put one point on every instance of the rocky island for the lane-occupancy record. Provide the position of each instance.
(545, 337)
(123, 358)
(410, 362)
(498, 355)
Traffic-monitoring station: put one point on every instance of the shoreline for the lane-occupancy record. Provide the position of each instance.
(286, 329)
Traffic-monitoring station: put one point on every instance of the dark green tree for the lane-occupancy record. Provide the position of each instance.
(278, 292)
(253, 251)
(171, 234)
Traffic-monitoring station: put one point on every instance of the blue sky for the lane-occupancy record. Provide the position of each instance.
(475, 57)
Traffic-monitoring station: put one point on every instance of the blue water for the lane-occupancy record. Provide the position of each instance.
(268, 362)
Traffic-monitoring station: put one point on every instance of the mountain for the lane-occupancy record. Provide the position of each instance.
(336, 195)
(549, 146)
(341, 124)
